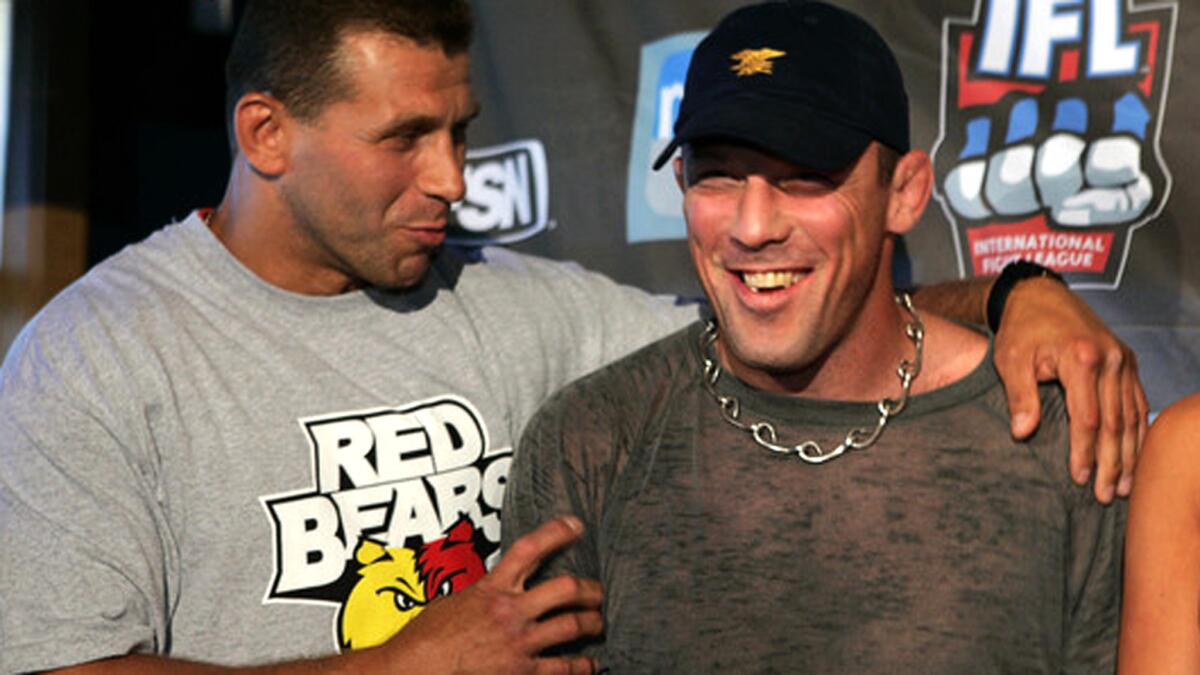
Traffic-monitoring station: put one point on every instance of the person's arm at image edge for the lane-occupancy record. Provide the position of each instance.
(1160, 628)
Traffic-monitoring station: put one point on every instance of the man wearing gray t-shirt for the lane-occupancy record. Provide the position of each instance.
(281, 429)
(819, 479)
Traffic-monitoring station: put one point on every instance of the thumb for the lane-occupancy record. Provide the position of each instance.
(1021, 389)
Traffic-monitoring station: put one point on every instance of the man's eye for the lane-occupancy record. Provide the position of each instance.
(401, 142)
(806, 183)
(715, 180)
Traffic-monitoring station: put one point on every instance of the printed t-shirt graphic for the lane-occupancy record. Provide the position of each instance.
(404, 507)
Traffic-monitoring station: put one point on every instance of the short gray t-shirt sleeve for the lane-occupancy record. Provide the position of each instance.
(148, 408)
(570, 322)
(578, 317)
(84, 552)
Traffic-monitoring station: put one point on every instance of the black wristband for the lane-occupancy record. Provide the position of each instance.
(1013, 273)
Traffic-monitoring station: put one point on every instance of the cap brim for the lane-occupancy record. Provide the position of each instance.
(792, 132)
(666, 154)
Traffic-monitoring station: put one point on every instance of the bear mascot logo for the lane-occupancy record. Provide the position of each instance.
(396, 584)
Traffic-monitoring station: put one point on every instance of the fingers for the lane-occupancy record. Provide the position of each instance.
(1060, 337)
(1133, 407)
(1109, 433)
(561, 593)
(527, 553)
(574, 665)
(564, 628)
(1079, 376)
(1143, 408)
(1020, 386)
(573, 606)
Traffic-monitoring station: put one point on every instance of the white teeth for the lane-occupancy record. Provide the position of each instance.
(760, 281)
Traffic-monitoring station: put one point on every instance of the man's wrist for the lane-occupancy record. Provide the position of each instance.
(1013, 273)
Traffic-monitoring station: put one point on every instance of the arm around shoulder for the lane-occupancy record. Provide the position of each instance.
(1160, 631)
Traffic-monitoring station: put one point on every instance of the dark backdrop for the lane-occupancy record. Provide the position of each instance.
(571, 90)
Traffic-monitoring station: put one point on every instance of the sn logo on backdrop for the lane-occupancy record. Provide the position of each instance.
(1051, 112)
(508, 195)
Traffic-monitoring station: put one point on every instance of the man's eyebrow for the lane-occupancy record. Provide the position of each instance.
(420, 124)
(407, 126)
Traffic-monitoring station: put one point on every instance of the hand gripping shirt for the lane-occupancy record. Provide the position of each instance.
(946, 547)
(198, 464)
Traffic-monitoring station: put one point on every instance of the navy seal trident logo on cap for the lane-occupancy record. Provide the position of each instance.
(755, 61)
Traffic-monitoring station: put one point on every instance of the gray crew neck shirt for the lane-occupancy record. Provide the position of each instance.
(189, 456)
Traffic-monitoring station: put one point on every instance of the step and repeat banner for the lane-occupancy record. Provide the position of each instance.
(1062, 131)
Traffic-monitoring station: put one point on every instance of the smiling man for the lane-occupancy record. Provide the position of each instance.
(821, 478)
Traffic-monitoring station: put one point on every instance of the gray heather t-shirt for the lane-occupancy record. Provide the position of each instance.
(190, 457)
(944, 548)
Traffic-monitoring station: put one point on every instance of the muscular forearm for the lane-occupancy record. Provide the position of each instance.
(495, 625)
(964, 300)
(365, 661)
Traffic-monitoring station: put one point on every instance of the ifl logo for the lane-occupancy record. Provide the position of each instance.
(1049, 146)
(404, 508)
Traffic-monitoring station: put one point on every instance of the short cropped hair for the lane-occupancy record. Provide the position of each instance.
(289, 48)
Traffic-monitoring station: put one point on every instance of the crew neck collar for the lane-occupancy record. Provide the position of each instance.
(213, 255)
(807, 410)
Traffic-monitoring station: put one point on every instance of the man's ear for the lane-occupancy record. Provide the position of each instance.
(260, 123)
(677, 164)
(912, 183)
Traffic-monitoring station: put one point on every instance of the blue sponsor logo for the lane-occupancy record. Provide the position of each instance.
(653, 202)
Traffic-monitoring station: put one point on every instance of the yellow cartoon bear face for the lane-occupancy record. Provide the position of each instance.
(387, 596)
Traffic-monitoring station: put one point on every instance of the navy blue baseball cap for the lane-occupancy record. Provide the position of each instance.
(801, 79)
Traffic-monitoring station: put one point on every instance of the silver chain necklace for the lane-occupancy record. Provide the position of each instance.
(810, 451)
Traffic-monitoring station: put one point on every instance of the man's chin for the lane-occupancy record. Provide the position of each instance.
(409, 274)
(754, 360)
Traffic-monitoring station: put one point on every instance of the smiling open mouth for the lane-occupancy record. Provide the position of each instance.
(772, 280)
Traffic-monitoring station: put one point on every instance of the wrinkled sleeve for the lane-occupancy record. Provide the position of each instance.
(1094, 583)
(83, 559)
(625, 318)
(548, 480)
(588, 320)
(566, 463)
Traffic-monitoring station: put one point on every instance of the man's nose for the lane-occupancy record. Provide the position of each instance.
(441, 169)
(758, 223)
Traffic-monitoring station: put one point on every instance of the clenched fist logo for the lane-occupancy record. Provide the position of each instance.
(1051, 114)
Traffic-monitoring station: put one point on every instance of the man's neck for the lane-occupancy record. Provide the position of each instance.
(861, 366)
(258, 231)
